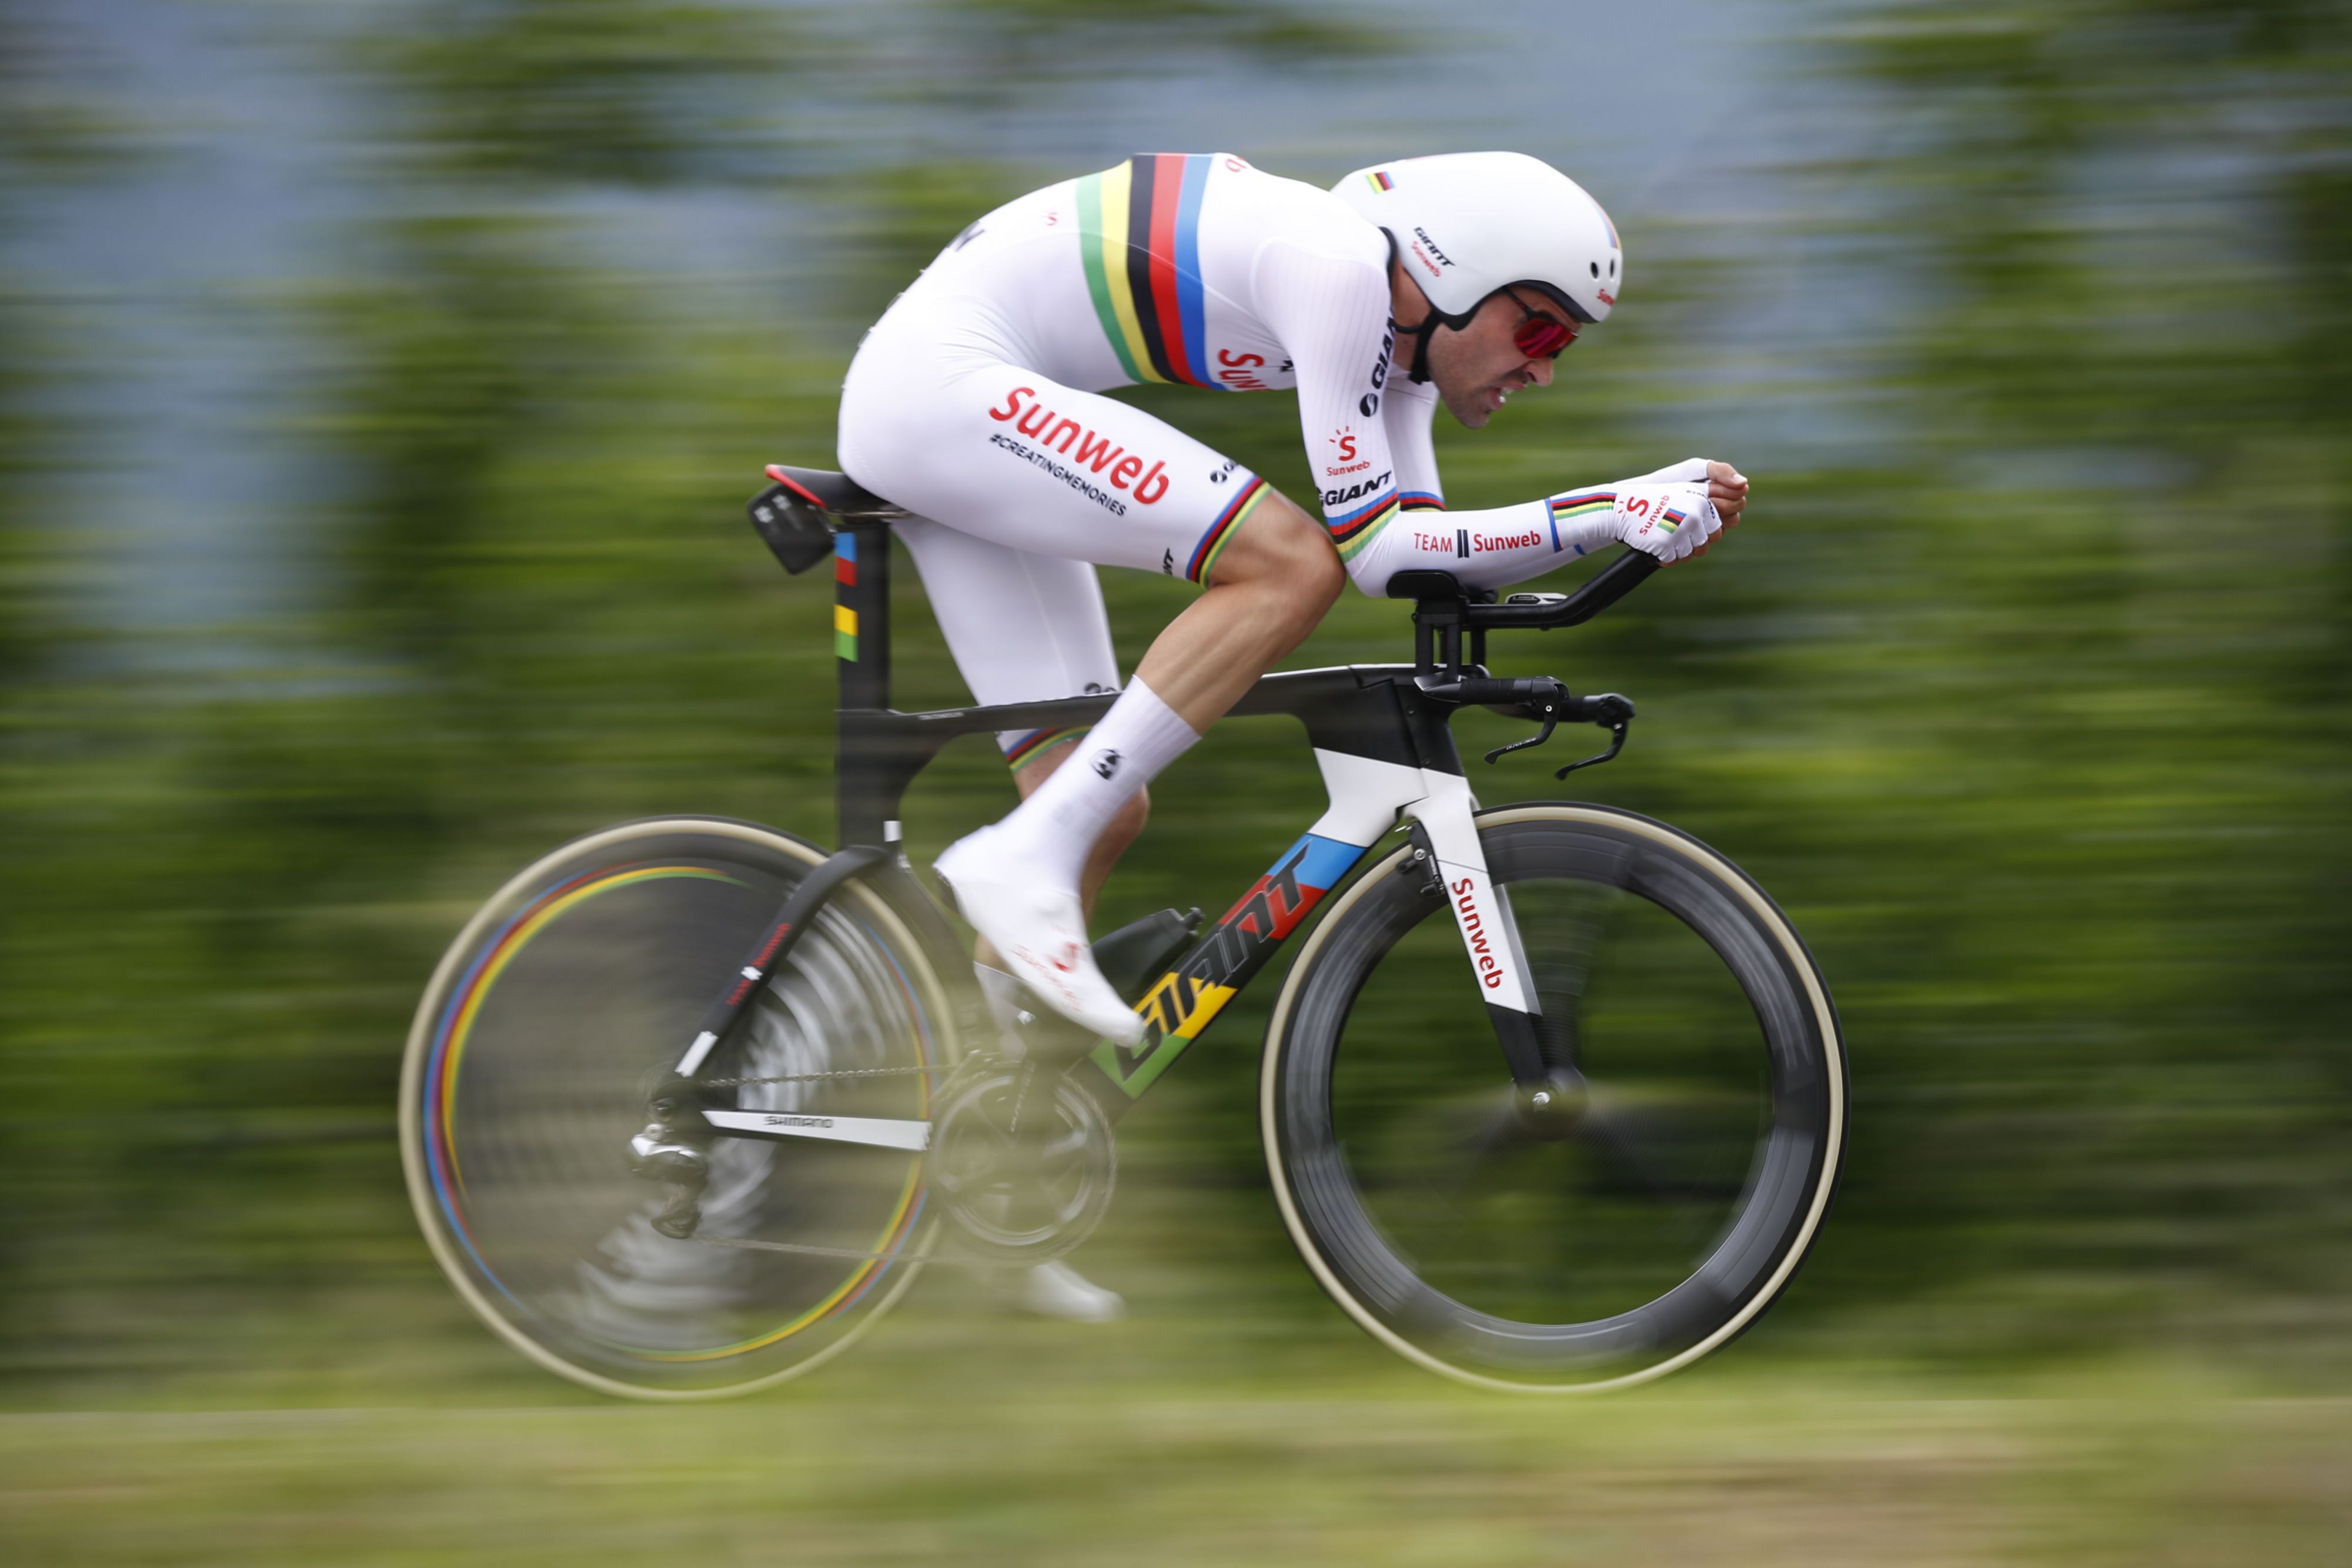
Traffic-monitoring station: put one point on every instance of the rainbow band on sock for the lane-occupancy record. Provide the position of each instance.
(1228, 524)
(1140, 239)
(1031, 742)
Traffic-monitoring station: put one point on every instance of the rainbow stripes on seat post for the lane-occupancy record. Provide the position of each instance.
(844, 577)
(1140, 236)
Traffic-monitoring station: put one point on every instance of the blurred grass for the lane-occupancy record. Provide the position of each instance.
(1034, 1453)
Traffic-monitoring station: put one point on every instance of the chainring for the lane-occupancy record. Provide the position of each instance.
(1019, 1195)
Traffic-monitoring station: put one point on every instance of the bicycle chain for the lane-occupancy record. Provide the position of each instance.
(814, 1077)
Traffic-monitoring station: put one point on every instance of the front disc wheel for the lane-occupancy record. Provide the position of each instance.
(1638, 1209)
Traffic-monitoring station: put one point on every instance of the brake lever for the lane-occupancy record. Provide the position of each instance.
(1550, 723)
(1617, 712)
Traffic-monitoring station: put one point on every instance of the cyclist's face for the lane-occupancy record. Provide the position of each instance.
(1476, 368)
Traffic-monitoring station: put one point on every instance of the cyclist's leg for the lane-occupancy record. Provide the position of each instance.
(1024, 627)
(958, 433)
(1271, 588)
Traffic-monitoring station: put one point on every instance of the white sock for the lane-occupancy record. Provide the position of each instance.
(1056, 827)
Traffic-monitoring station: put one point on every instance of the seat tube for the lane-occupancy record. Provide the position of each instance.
(861, 614)
(861, 645)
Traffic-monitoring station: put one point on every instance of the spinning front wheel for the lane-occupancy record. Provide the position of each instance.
(1635, 1214)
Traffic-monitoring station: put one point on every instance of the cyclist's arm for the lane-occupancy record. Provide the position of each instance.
(1331, 311)
(1330, 308)
(1407, 415)
(1497, 546)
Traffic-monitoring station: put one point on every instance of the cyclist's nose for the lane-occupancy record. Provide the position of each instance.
(1539, 371)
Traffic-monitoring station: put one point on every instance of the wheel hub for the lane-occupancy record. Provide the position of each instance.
(1553, 1109)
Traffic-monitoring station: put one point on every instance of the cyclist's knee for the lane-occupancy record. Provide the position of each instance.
(1283, 549)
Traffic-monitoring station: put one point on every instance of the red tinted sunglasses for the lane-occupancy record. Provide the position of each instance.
(1539, 336)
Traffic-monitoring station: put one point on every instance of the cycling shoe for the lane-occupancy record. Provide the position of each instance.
(1040, 934)
(1058, 1291)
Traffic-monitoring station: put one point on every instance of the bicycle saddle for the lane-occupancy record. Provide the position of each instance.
(798, 511)
(837, 495)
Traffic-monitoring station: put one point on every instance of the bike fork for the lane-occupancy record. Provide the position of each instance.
(1444, 827)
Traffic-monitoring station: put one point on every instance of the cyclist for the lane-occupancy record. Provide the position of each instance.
(975, 404)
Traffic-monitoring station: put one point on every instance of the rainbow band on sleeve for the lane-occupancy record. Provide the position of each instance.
(1228, 524)
(1140, 237)
(1579, 504)
(1353, 531)
(1420, 501)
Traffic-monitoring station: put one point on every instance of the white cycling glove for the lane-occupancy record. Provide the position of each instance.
(1668, 521)
(1681, 472)
(1666, 514)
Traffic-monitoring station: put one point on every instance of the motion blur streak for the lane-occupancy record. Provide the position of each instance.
(378, 389)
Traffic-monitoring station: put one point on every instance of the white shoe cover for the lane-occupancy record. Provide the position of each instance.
(1039, 931)
(1058, 1291)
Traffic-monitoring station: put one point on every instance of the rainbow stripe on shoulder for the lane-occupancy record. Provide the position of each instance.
(1139, 238)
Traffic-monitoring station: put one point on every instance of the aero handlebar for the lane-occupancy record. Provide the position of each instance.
(1529, 611)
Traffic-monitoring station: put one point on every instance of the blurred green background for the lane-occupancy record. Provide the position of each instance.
(379, 387)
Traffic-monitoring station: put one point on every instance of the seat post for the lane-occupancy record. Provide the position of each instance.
(861, 645)
(861, 612)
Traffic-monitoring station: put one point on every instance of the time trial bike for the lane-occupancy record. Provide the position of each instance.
(1553, 1096)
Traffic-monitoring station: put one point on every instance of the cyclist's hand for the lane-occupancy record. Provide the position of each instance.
(1726, 488)
(1671, 521)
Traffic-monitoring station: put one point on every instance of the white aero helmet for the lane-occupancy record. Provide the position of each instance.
(1466, 223)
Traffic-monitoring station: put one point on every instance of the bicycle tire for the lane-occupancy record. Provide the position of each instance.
(571, 992)
(1356, 1080)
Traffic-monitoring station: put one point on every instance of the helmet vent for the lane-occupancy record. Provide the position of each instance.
(1596, 269)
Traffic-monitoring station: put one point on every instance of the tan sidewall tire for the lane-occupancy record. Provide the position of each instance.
(1769, 919)
(869, 903)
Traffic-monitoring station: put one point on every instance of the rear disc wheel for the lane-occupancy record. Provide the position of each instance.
(561, 1003)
